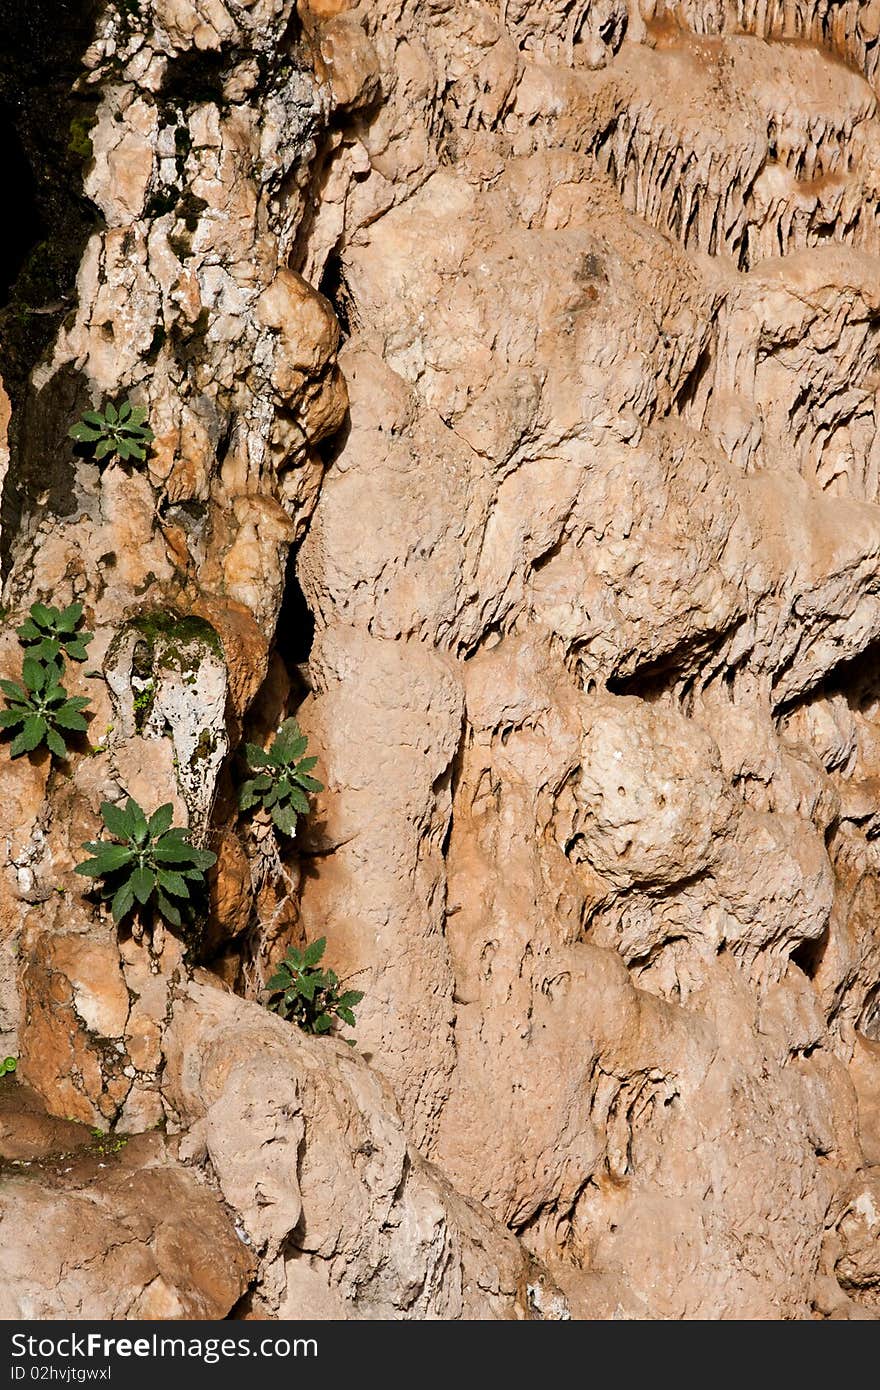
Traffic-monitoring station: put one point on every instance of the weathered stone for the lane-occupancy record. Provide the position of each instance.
(111, 1228)
(552, 408)
(350, 1219)
(865, 1072)
(76, 1008)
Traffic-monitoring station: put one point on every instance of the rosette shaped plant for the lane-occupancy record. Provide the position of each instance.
(50, 632)
(41, 710)
(148, 862)
(308, 996)
(122, 431)
(282, 778)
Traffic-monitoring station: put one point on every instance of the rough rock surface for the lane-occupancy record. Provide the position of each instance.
(307, 1147)
(107, 1227)
(514, 374)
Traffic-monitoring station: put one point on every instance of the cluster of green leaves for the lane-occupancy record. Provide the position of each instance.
(8, 1065)
(122, 431)
(147, 862)
(282, 777)
(303, 993)
(40, 709)
(51, 632)
(108, 1143)
(38, 706)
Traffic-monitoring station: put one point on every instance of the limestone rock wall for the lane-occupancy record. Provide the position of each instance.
(514, 377)
(600, 555)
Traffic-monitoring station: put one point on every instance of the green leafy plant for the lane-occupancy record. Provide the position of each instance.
(308, 996)
(108, 1143)
(143, 702)
(282, 777)
(121, 431)
(40, 708)
(8, 1065)
(50, 632)
(148, 862)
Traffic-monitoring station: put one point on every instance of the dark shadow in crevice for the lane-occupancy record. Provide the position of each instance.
(869, 1018)
(685, 669)
(649, 682)
(333, 287)
(26, 228)
(295, 630)
(857, 678)
(687, 392)
(544, 559)
(198, 75)
(808, 956)
(45, 138)
(329, 449)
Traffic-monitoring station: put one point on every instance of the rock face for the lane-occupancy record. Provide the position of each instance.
(307, 1147)
(622, 598)
(514, 376)
(107, 1228)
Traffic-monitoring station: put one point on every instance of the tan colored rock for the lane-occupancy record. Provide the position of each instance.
(28, 1132)
(76, 1008)
(858, 1266)
(649, 800)
(324, 407)
(24, 786)
(116, 1230)
(143, 765)
(865, 1072)
(406, 705)
(349, 58)
(231, 891)
(253, 567)
(354, 1223)
(123, 146)
(608, 495)
(564, 400)
(303, 320)
(244, 647)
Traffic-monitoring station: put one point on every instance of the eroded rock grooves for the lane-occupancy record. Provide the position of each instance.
(514, 375)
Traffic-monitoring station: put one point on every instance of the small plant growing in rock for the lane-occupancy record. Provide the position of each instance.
(8, 1065)
(122, 431)
(148, 862)
(51, 632)
(40, 708)
(144, 699)
(282, 778)
(308, 996)
(108, 1144)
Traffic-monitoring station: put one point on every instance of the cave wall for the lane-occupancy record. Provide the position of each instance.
(514, 376)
